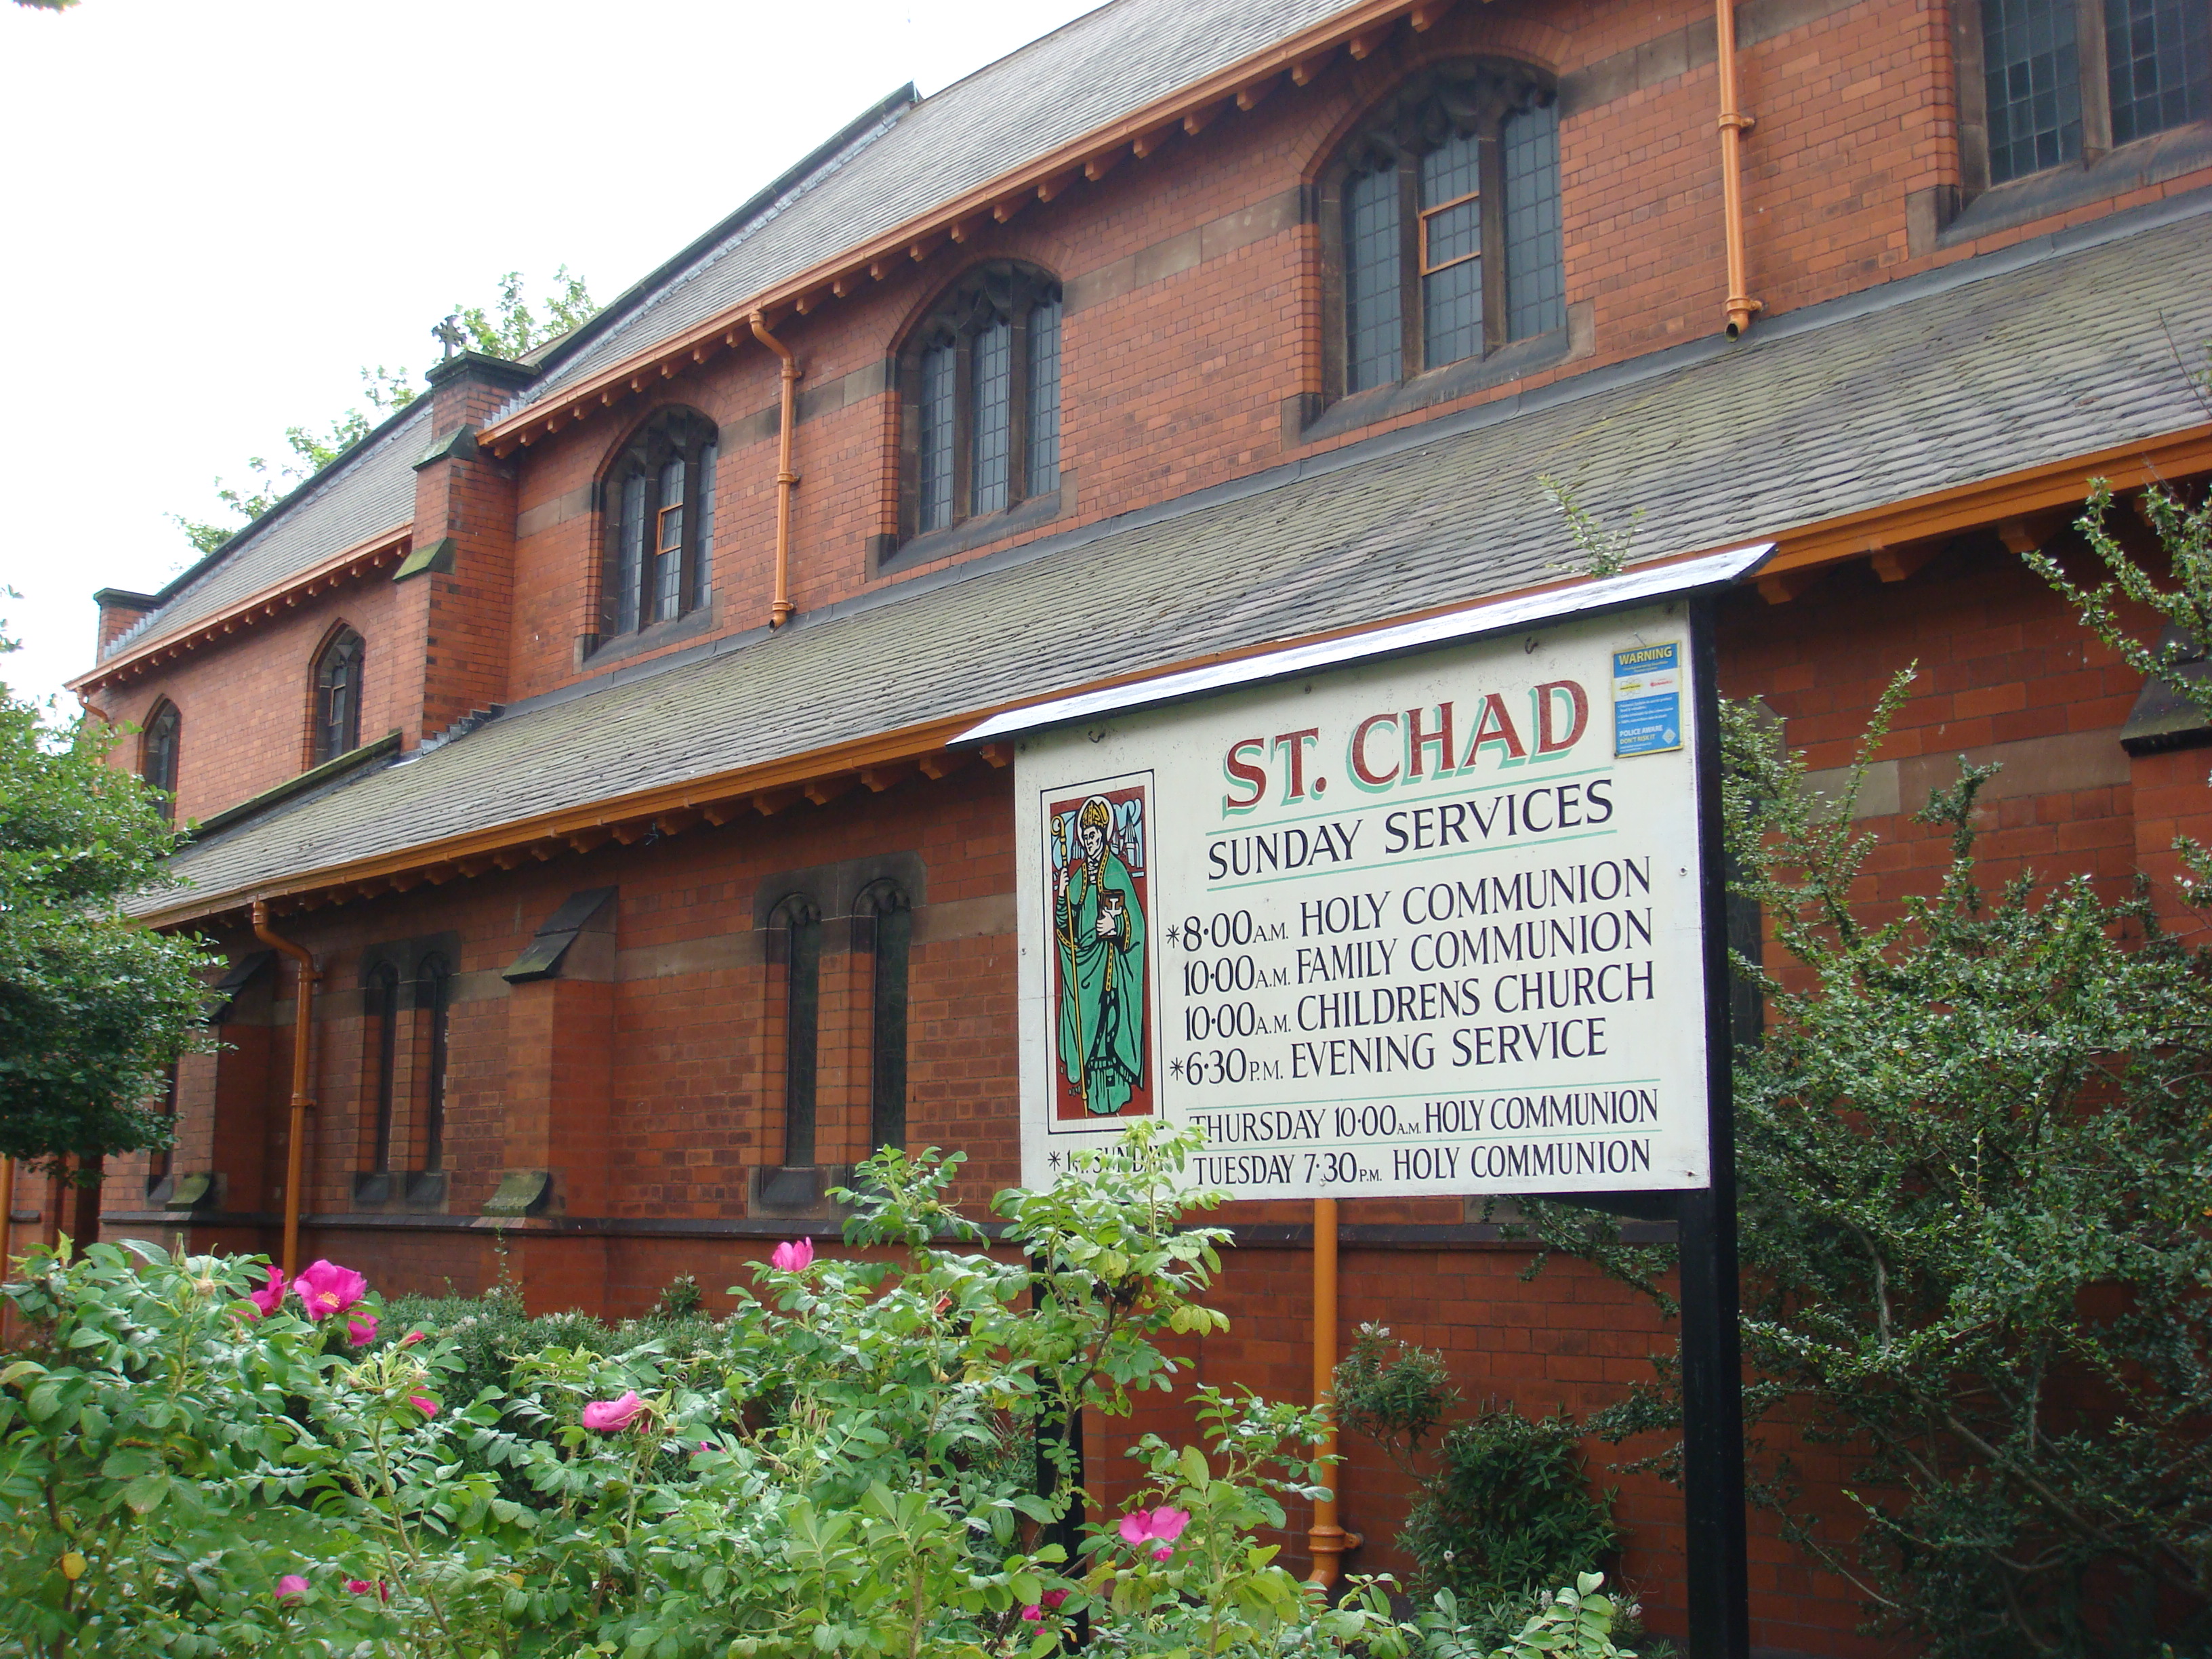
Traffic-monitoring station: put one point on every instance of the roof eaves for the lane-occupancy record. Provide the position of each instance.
(1297, 53)
(297, 497)
(630, 298)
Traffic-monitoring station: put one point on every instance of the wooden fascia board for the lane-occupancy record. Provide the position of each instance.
(906, 743)
(376, 547)
(1973, 506)
(578, 401)
(2056, 483)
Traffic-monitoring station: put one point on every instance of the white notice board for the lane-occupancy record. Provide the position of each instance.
(1426, 925)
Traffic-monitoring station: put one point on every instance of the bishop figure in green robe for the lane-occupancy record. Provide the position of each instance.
(1101, 932)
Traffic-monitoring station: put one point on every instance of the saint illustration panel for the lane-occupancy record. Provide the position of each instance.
(1098, 886)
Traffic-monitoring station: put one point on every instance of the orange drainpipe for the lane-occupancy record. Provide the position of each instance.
(1328, 1542)
(780, 612)
(1734, 125)
(303, 1027)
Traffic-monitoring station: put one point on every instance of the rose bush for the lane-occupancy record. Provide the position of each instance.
(197, 1458)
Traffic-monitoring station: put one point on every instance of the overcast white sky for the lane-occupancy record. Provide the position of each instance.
(212, 214)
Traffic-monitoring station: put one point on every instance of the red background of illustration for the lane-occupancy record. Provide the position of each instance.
(1066, 1104)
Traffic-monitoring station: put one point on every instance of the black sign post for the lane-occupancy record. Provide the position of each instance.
(1719, 1583)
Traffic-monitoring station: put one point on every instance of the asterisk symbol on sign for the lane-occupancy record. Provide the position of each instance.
(1173, 937)
(1052, 1160)
(1175, 1068)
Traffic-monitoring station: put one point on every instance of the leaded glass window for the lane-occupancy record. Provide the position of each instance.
(659, 502)
(1536, 280)
(158, 756)
(1447, 232)
(2031, 69)
(2158, 63)
(337, 698)
(1372, 288)
(991, 358)
(1044, 396)
(980, 382)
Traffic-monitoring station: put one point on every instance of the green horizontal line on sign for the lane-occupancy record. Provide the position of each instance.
(1249, 826)
(1398, 1096)
(1397, 863)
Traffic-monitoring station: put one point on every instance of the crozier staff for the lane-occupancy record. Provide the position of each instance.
(1100, 930)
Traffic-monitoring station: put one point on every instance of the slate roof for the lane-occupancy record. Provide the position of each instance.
(369, 489)
(1986, 367)
(1092, 71)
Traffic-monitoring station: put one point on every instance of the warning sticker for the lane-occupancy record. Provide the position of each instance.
(1647, 700)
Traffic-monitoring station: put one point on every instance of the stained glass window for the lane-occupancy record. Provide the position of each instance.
(1372, 299)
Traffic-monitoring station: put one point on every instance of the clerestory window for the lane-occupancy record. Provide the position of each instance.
(1441, 218)
(2064, 81)
(981, 395)
(157, 754)
(337, 681)
(659, 501)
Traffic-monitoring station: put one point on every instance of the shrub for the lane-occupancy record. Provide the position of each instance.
(1506, 1509)
(842, 1466)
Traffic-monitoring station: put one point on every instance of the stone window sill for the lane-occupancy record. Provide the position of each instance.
(2131, 166)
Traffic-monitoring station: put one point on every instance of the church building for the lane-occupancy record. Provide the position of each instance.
(573, 765)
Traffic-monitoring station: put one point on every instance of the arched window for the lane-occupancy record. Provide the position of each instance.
(1441, 216)
(157, 755)
(889, 916)
(337, 698)
(659, 506)
(797, 934)
(981, 391)
(383, 1001)
(434, 1003)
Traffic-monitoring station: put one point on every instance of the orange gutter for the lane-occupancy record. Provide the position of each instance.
(1825, 541)
(259, 606)
(1734, 123)
(1328, 1542)
(1361, 29)
(303, 1026)
(1973, 506)
(780, 612)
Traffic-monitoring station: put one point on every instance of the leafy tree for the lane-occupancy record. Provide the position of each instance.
(509, 328)
(1973, 1148)
(93, 1008)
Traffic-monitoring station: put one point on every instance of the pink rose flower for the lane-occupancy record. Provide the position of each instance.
(270, 1295)
(291, 1587)
(423, 1403)
(411, 1339)
(613, 1416)
(362, 1587)
(360, 1329)
(1034, 1615)
(1159, 1527)
(794, 1257)
(1055, 1599)
(326, 1288)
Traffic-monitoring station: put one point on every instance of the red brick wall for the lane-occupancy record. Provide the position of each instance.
(245, 709)
(1180, 383)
